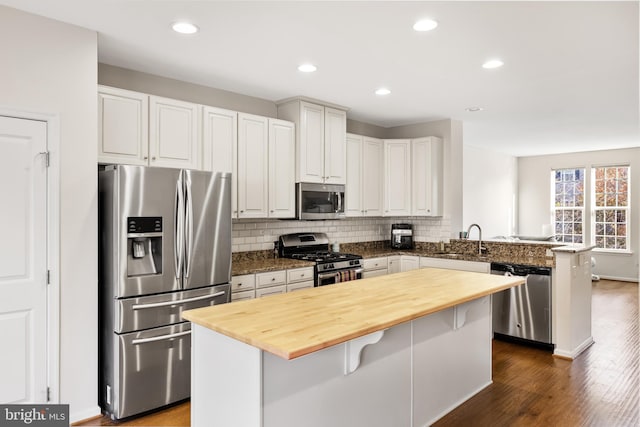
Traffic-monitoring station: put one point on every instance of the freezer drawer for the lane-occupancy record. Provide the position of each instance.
(153, 370)
(135, 314)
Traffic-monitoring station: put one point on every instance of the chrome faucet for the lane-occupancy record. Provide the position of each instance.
(480, 248)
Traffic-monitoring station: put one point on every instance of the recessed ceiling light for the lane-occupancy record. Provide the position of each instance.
(383, 91)
(473, 109)
(425, 25)
(184, 28)
(493, 63)
(307, 68)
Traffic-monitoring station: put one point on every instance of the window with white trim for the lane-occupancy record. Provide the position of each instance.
(610, 208)
(569, 204)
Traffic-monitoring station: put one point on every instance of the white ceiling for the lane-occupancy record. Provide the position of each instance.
(569, 83)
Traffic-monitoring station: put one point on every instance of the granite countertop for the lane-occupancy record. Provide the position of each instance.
(251, 266)
(297, 323)
(534, 253)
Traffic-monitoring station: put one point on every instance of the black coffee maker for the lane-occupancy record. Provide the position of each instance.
(401, 236)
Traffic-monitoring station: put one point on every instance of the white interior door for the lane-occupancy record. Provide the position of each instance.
(23, 261)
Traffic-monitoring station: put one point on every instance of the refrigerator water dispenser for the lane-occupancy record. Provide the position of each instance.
(144, 246)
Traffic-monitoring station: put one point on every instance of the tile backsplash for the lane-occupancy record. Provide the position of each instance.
(252, 235)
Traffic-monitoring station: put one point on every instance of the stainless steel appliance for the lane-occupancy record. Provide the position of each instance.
(319, 201)
(165, 247)
(331, 267)
(523, 313)
(401, 236)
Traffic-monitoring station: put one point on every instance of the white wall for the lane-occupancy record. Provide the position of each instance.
(535, 202)
(51, 68)
(490, 185)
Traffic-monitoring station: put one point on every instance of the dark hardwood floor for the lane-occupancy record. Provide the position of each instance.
(533, 388)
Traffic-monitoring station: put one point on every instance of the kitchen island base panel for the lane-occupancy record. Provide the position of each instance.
(416, 373)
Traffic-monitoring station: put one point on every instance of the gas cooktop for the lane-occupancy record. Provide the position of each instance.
(324, 256)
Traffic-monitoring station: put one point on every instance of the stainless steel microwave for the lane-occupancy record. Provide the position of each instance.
(319, 201)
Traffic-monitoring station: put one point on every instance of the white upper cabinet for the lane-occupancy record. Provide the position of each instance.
(266, 167)
(220, 146)
(372, 176)
(139, 129)
(282, 194)
(174, 139)
(335, 133)
(320, 143)
(353, 190)
(253, 166)
(426, 176)
(364, 176)
(219, 139)
(397, 177)
(122, 126)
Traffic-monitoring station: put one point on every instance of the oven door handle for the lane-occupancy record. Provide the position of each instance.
(323, 276)
(176, 302)
(159, 338)
(339, 202)
(334, 274)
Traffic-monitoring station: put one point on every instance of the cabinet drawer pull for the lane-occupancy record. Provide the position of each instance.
(153, 158)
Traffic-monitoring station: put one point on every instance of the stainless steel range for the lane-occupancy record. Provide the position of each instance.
(331, 267)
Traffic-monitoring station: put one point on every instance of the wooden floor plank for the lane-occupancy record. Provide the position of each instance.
(533, 388)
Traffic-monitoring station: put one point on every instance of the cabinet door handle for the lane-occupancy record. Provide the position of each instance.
(145, 157)
(153, 158)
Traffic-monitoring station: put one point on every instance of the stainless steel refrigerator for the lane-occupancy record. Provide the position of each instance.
(165, 247)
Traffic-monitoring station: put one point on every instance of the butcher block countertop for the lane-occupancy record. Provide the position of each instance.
(294, 324)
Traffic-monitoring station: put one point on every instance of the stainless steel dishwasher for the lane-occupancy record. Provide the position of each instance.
(523, 313)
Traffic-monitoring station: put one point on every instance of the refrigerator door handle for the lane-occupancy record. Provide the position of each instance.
(188, 227)
(178, 235)
(159, 338)
(177, 302)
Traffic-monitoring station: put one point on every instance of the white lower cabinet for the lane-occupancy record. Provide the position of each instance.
(374, 267)
(257, 285)
(394, 264)
(271, 290)
(243, 287)
(400, 263)
(299, 278)
(455, 264)
(409, 262)
(272, 282)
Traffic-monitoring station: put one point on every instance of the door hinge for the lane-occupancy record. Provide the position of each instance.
(46, 157)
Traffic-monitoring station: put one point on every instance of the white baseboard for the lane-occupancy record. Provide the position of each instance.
(84, 414)
(620, 279)
(572, 354)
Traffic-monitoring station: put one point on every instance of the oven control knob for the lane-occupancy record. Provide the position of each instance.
(331, 266)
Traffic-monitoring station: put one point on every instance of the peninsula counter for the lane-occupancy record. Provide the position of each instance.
(300, 358)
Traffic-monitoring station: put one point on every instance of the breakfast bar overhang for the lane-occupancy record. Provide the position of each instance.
(396, 350)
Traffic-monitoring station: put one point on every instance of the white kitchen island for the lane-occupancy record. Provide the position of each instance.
(396, 350)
